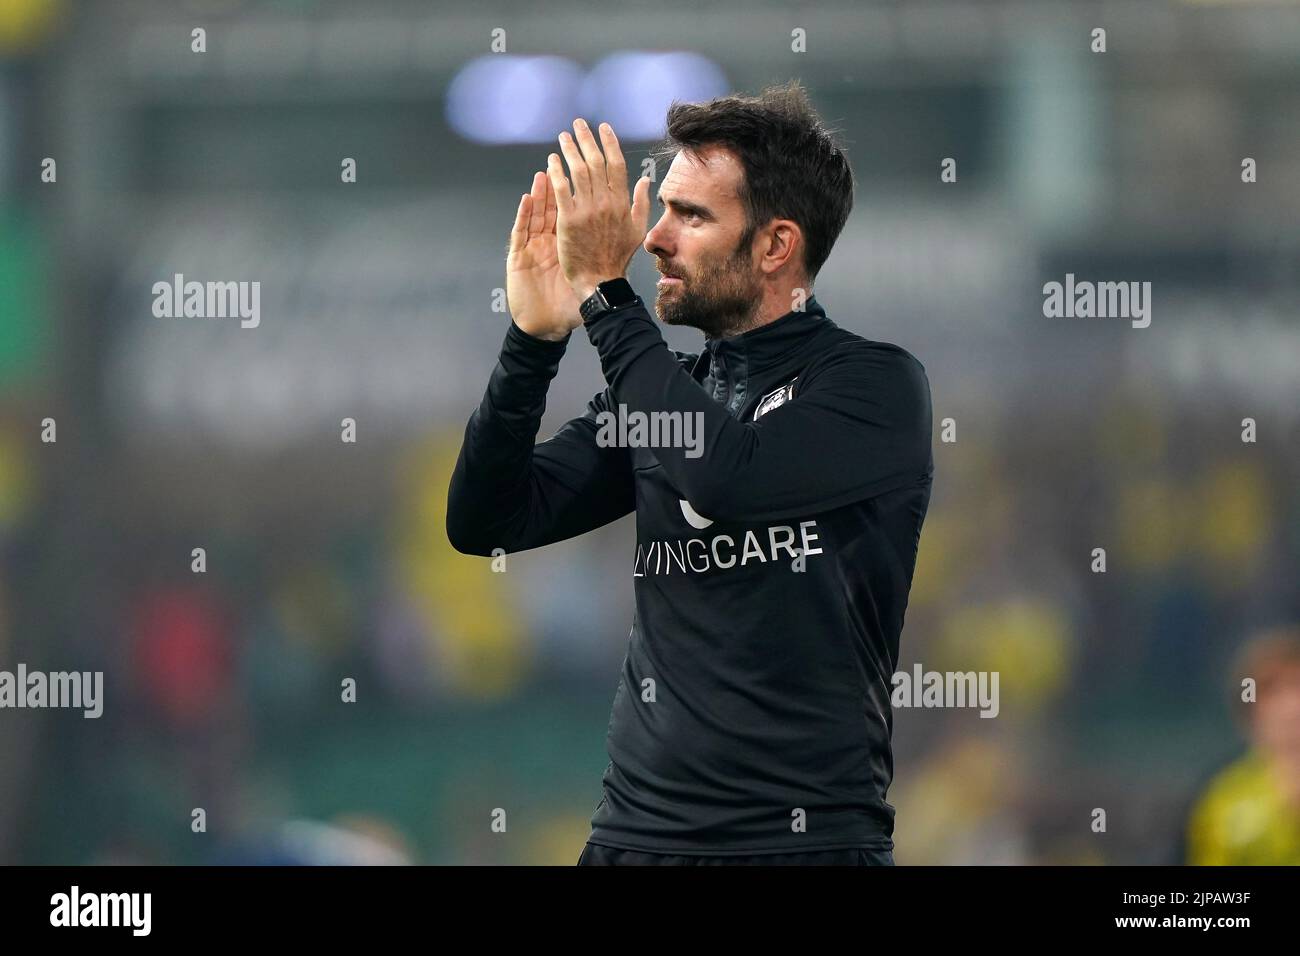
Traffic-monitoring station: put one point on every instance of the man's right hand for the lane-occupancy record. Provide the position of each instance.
(539, 297)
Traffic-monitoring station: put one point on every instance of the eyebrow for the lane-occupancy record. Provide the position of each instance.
(685, 207)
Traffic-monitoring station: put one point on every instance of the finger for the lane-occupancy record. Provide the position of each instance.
(641, 204)
(519, 233)
(537, 203)
(615, 165)
(592, 154)
(578, 171)
(559, 185)
(548, 225)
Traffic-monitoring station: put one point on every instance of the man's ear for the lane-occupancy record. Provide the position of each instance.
(784, 245)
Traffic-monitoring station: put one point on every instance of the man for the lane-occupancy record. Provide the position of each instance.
(752, 721)
(1249, 813)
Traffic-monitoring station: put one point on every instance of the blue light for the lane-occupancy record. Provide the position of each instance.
(632, 89)
(500, 99)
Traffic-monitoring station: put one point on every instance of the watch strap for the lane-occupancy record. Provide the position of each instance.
(609, 295)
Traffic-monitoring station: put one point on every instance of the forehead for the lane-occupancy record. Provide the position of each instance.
(711, 177)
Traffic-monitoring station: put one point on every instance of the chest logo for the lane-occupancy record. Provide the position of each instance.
(775, 399)
(693, 517)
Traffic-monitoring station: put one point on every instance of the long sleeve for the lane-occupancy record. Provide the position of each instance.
(859, 425)
(508, 492)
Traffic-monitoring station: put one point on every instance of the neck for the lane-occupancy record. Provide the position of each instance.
(777, 301)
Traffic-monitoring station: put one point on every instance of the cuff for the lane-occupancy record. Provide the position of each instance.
(517, 336)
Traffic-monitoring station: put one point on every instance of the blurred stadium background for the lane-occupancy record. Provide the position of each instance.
(479, 690)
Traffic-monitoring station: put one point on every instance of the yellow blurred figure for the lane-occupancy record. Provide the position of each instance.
(1025, 638)
(25, 24)
(1249, 814)
(483, 648)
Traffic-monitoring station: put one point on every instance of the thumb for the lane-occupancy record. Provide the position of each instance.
(641, 204)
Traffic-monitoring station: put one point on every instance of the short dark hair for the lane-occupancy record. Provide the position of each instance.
(793, 167)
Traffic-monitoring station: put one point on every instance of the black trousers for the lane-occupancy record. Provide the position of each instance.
(593, 854)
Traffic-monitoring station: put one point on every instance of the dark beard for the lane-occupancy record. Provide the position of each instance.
(720, 301)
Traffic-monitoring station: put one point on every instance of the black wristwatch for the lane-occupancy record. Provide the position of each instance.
(609, 294)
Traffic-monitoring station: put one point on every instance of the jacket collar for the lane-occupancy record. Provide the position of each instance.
(726, 365)
(758, 348)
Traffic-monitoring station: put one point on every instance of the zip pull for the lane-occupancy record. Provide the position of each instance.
(721, 384)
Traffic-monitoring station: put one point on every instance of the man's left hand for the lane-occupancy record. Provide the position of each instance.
(596, 229)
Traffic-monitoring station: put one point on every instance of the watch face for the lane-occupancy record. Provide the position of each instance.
(610, 294)
(615, 292)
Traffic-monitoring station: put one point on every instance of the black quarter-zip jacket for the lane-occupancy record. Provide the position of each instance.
(771, 571)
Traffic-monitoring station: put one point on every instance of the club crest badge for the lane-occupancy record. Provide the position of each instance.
(775, 399)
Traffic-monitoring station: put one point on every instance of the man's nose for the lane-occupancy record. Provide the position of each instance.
(654, 242)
